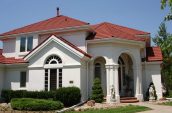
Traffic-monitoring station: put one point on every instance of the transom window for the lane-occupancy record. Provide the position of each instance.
(26, 43)
(53, 60)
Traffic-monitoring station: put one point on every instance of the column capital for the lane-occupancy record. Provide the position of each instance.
(111, 66)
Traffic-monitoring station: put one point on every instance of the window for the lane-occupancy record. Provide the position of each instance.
(97, 70)
(53, 79)
(46, 79)
(53, 60)
(26, 43)
(60, 77)
(23, 79)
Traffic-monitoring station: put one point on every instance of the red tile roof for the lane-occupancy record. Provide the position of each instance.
(65, 41)
(49, 24)
(153, 54)
(11, 60)
(109, 30)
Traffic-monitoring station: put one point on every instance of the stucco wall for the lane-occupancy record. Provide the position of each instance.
(1, 78)
(84, 90)
(53, 48)
(77, 39)
(12, 78)
(152, 73)
(36, 79)
(9, 47)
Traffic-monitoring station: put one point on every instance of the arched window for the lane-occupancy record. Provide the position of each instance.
(120, 61)
(53, 60)
(97, 71)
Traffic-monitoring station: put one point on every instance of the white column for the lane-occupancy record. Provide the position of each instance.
(138, 82)
(116, 83)
(108, 83)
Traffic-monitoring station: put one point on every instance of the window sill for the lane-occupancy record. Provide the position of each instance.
(23, 88)
(23, 53)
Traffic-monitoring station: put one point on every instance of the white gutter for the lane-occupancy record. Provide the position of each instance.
(84, 27)
(117, 40)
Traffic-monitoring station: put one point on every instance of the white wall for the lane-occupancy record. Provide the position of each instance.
(76, 38)
(9, 47)
(111, 53)
(36, 79)
(68, 58)
(12, 78)
(152, 73)
(1, 78)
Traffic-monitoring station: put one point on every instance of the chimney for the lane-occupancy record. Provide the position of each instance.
(58, 11)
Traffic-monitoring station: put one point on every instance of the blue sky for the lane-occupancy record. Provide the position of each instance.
(144, 15)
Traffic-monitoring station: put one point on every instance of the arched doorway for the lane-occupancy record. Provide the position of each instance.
(100, 72)
(53, 73)
(125, 75)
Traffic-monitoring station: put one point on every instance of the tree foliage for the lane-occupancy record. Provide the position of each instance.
(164, 4)
(164, 40)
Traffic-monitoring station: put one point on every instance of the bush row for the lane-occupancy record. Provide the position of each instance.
(30, 104)
(10, 94)
(67, 95)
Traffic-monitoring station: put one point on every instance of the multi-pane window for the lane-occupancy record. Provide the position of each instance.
(23, 79)
(46, 79)
(60, 77)
(26, 43)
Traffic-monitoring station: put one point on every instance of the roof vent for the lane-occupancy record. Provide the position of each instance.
(58, 11)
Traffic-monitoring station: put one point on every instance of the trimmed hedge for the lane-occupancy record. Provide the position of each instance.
(30, 104)
(68, 95)
(10, 94)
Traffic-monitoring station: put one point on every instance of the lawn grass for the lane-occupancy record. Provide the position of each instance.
(124, 109)
(167, 103)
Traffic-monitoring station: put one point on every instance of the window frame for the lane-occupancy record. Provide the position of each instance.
(26, 45)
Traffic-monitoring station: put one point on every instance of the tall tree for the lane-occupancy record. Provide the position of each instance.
(164, 40)
(164, 4)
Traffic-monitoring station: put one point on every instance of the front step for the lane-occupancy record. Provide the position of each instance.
(128, 100)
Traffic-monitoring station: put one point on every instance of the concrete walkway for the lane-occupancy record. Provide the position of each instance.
(155, 108)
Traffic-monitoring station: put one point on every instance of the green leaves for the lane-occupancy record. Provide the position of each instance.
(164, 4)
(164, 40)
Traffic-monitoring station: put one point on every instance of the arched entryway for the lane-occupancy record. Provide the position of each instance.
(53, 73)
(100, 72)
(125, 76)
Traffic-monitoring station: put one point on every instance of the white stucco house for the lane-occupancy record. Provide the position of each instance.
(62, 51)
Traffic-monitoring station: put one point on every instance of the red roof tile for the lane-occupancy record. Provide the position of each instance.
(65, 41)
(11, 60)
(49, 24)
(109, 30)
(153, 54)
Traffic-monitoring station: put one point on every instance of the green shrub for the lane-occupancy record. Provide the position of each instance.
(10, 94)
(68, 95)
(97, 92)
(30, 104)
